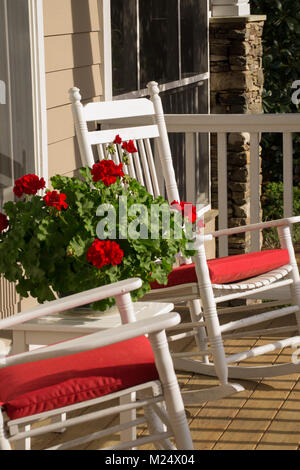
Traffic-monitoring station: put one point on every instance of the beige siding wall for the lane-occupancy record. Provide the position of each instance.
(72, 58)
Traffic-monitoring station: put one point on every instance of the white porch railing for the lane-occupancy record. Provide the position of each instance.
(255, 125)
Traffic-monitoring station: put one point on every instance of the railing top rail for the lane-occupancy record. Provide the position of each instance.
(216, 123)
(251, 123)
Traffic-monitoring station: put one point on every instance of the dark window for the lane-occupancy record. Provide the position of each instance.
(162, 40)
(124, 45)
(166, 41)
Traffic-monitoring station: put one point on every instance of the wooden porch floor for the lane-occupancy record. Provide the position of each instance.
(265, 416)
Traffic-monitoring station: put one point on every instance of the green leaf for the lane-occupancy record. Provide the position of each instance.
(79, 245)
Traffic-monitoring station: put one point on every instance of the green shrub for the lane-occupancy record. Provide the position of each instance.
(281, 63)
(272, 203)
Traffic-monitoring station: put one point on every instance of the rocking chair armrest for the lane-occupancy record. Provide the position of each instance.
(96, 340)
(94, 295)
(259, 226)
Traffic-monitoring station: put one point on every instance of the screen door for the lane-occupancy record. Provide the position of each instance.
(16, 114)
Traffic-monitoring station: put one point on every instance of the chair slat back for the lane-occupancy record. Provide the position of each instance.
(131, 133)
(117, 109)
(141, 164)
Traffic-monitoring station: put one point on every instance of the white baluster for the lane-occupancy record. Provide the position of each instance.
(288, 174)
(254, 190)
(222, 192)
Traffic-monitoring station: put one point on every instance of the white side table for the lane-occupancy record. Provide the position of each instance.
(71, 324)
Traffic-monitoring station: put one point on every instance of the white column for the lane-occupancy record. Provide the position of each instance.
(230, 8)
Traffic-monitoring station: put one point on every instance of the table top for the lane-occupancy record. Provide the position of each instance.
(88, 321)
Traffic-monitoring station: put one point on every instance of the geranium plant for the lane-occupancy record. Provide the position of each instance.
(83, 232)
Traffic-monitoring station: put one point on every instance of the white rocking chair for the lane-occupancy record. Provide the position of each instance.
(92, 370)
(203, 284)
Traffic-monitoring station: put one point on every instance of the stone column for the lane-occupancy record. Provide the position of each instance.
(236, 88)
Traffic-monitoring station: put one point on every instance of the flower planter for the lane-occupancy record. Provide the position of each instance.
(52, 242)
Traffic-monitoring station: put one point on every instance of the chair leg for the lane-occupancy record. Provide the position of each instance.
(172, 395)
(196, 314)
(154, 423)
(4, 443)
(219, 367)
(211, 316)
(23, 444)
(156, 426)
(295, 294)
(287, 243)
(216, 343)
(129, 434)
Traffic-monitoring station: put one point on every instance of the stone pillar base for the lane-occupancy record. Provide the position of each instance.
(236, 88)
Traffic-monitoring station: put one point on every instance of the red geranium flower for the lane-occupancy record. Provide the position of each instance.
(104, 253)
(187, 210)
(3, 222)
(53, 199)
(118, 140)
(107, 172)
(28, 184)
(129, 147)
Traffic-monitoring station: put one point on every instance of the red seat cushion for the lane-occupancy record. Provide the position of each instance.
(27, 389)
(230, 269)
